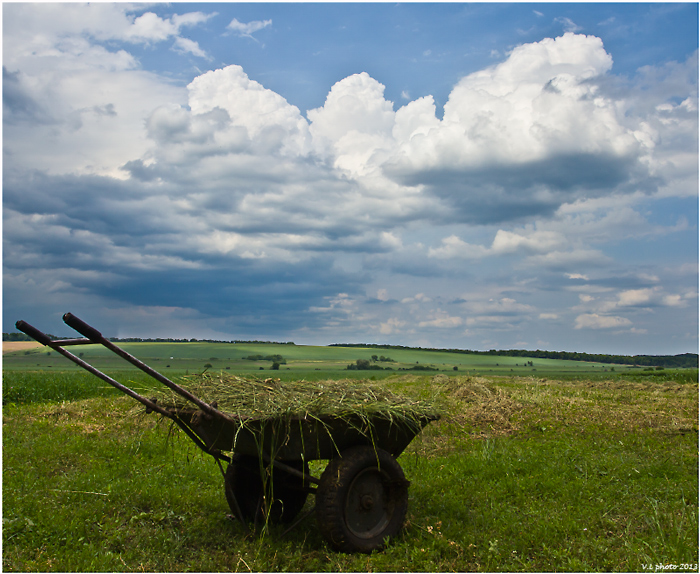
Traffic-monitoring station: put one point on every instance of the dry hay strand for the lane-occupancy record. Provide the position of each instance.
(476, 403)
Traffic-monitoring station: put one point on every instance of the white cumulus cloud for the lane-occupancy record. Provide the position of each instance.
(248, 28)
(596, 321)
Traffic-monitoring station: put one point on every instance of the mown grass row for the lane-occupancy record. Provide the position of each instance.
(36, 386)
(518, 475)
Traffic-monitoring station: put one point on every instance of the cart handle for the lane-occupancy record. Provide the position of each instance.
(96, 337)
(42, 338)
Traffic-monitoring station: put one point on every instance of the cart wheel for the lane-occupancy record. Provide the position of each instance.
(244, 481)
(362, 500)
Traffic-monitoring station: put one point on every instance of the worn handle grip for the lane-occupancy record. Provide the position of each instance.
(33, 332)
(82, 327)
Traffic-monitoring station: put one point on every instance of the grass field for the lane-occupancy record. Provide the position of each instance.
(301, 360)
(522, 473)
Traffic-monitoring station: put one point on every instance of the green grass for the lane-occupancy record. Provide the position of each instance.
(520, 474)
(301, 360)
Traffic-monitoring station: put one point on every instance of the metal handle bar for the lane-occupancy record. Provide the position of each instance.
(34, 333)
(93, 336)
(96, 337)
(42, 338)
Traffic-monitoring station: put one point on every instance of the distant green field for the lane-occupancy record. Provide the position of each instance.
(300, 360)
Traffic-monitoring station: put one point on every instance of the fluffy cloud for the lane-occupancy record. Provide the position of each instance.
(454, 248)
(595, 321)
(187, 46)
(442, 320)
(526, 135)
(51, 121)
(263, 114)
(249, 28)
(223, 200)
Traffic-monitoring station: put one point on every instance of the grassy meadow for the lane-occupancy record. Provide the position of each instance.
(556, 469)
(301, 360)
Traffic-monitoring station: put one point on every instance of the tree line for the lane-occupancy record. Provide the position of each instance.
(23, 337)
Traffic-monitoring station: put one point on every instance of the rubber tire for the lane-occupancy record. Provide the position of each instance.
(361, 473)
(244, 481)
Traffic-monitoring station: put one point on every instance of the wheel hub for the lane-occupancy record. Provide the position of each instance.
(368, 507)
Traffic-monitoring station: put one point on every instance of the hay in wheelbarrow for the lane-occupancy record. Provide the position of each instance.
(258, 398)
(284, 419)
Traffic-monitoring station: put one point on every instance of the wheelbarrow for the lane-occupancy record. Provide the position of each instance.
(361, 496)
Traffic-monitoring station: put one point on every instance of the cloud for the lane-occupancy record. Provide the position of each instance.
(248, 29)
(442, 320)
(525, 136)
(226, 204)
(538, 241)
(149, 27)
(569, 25)
(61, 24)
(264, 116)
(595, 321)
(354, 123)
(454, 248)
(187, 46)
(51, 120)
(648, 297)
(635, 297)
(418, 297)
(540, 246)
(392, 326)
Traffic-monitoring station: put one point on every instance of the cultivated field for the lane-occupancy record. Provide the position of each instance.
(14, 346)
(524, 472)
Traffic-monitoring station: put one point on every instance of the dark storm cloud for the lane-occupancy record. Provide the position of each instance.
(137, 256)
(18, 105)
(100, 204)
(500, 193)
(261, 297)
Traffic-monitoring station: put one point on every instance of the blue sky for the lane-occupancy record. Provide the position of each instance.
(453, 175)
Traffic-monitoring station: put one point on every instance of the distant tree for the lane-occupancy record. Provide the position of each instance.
(364, 365)
(275, 366)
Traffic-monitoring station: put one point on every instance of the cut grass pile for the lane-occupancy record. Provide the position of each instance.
(476, 403)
